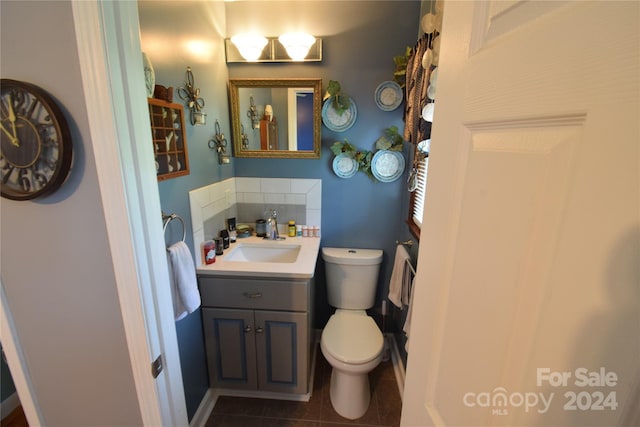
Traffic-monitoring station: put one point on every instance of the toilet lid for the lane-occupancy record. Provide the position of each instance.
(352, 337)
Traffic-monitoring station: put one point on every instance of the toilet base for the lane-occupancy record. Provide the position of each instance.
(349, 389)
(350, 394)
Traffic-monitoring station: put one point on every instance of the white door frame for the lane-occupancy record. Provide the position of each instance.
(135, 231)
(113, 84)
(15, 358)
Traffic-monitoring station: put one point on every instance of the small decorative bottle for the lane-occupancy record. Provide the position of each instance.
(292, 228)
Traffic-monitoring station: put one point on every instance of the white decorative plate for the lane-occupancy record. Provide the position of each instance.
(345, 166)
(338, 122)
(388, 96)
(387, 166)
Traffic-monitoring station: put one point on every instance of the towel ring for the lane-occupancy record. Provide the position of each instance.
(169, 218)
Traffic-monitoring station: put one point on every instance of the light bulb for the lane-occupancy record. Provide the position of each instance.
(249, 45)
(297, 44)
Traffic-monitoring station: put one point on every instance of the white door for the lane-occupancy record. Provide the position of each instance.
(527, 306)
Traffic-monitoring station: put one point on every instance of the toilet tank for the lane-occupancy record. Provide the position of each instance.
(352, 277)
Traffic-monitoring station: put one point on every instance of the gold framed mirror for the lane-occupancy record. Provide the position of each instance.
(276, 118)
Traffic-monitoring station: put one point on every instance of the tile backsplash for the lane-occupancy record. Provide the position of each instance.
(248, 199)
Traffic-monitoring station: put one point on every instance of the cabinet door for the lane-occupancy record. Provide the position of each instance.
(282, 351)
(231, 352)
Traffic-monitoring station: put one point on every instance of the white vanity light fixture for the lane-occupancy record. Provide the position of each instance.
(297, 44)
(249, 45)
(290, 47)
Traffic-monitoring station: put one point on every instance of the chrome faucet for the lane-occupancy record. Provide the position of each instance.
(272, 226)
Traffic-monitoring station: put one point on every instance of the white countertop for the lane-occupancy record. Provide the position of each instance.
(303, 267)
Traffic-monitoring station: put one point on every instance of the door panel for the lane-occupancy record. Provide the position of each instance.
(282, 351)
(230, 348)
(513, 198)
(533, 219)
(494, 19)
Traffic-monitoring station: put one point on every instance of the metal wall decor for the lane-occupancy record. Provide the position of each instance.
(244, 137)
(253, 114)
(192, 95)
(219, 143)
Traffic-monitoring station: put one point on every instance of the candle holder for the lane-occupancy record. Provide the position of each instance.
(219, 143)
(195, 104)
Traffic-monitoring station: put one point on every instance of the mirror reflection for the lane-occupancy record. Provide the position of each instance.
(278, 118)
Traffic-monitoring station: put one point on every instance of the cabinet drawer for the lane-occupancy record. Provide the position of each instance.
(254, 294)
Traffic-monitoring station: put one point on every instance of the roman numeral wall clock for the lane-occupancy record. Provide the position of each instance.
(35, 142)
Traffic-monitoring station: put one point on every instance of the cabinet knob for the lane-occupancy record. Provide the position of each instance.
(259, 330)
(253, 294)
(247, 328)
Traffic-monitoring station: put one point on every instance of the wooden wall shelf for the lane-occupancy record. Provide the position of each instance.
(169, 139)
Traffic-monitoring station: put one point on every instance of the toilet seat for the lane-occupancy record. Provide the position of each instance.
(351, 336)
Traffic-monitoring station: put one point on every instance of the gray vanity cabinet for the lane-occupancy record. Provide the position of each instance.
(257, 333)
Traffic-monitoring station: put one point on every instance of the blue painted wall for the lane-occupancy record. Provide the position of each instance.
(7, 388)
(360, 40)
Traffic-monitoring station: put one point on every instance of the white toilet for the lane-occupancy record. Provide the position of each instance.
(351, 341)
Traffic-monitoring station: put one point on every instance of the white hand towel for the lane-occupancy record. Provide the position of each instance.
(184, 285)
(398, 277)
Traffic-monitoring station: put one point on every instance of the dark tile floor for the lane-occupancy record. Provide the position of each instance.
(15, 419)
(384, 409)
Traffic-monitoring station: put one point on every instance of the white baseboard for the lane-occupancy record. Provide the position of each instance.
(9, 404)
(398, 367)
(204, 409)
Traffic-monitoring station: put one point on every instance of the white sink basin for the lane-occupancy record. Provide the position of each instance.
(294, 257)
(280, 253)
